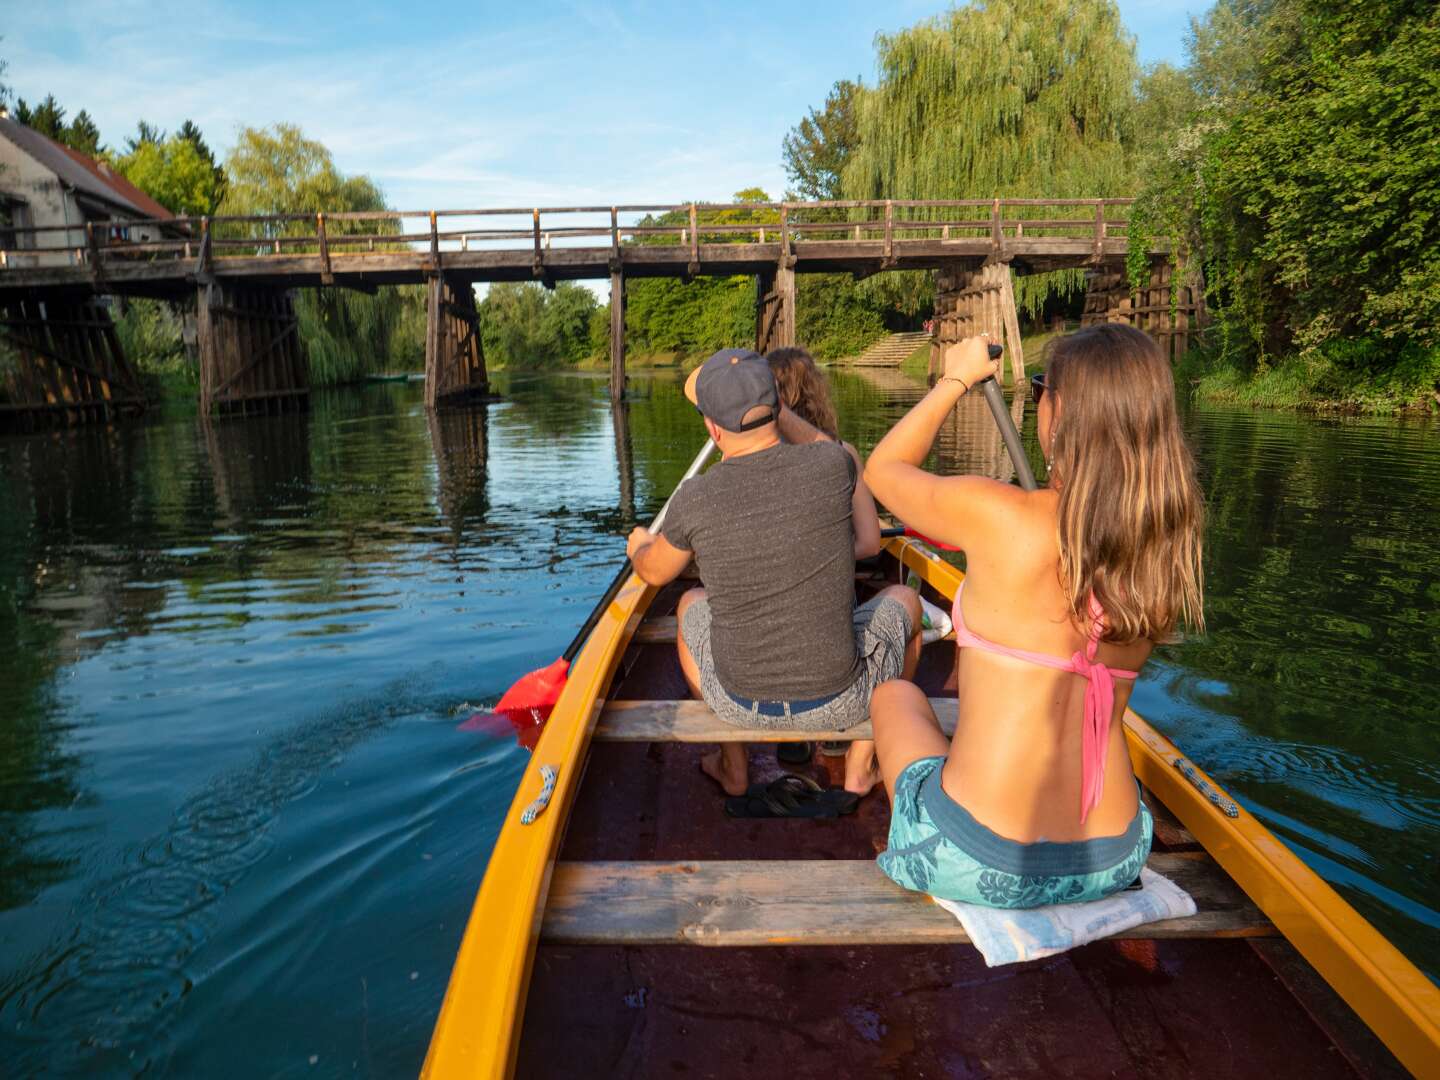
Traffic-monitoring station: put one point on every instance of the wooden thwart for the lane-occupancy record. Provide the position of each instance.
(692, 721)
(819, 902)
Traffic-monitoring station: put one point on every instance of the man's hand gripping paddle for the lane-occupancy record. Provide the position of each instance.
(527, 704)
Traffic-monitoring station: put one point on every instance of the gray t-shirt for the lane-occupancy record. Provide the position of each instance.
(775, 545)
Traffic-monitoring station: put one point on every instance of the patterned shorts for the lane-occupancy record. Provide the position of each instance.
(937, 847)
(882, 629)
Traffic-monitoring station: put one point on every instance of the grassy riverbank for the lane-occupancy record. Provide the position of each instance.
(1345, 378)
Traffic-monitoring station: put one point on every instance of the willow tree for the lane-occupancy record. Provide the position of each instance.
(1015, 98)
(277, 170)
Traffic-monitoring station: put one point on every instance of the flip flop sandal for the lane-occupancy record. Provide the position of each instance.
(792, 796)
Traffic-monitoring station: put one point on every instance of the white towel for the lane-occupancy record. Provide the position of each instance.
(1006, 936)
(938, 620)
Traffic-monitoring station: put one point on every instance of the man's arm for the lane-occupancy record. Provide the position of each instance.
(656, 560)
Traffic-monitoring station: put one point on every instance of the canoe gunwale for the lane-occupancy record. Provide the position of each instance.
(478, 1030)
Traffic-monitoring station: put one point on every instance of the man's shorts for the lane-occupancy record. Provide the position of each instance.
(882, 628)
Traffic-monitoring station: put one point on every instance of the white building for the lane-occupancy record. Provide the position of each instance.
(46, 185)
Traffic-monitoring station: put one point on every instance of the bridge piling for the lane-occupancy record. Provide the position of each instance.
(775, 308)
(617, 334)
(454, 355)
(61, 362)
(251, 356)
(1170, 306)
(971, 300)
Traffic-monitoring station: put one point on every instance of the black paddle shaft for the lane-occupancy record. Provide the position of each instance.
(996, 400)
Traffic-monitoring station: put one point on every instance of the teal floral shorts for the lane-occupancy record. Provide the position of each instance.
(937, 847)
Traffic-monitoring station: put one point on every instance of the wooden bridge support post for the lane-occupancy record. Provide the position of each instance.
(775, 308)
(65, 363)
(617, 334)
(1169, 308)
(454, 357)
(251, 357)
(971, 301)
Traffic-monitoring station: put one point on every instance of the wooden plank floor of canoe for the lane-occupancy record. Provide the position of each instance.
(1129, 1008)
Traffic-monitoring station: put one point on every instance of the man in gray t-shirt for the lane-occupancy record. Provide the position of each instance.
(774, 639)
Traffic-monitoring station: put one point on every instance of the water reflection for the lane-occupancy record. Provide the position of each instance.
(624, 458)
(460, 442)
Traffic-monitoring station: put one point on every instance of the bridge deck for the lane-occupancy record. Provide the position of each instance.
(370, 249)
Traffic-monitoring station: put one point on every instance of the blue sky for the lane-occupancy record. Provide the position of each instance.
(484, 104)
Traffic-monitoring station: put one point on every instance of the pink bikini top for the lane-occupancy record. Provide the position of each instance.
(1099, 694)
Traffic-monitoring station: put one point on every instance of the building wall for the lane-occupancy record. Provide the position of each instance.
(48, 203)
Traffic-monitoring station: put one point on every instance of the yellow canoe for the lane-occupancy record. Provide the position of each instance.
(479, 1030)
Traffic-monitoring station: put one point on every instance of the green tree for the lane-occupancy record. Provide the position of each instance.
(277, 170)
(565, 325)
(144, 133)
(191, 133)
(524, 325)
(1019, 98)
(1025, 98)
(817, 149)
(174, 174)
(48, 117)
(83, 135)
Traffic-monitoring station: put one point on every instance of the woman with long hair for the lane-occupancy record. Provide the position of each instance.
(1067, 590)
(804, 390)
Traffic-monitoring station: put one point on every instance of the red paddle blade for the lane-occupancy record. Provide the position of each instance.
(524, 724)
(538, 690)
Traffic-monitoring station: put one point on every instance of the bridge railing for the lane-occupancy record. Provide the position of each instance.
(359, 234)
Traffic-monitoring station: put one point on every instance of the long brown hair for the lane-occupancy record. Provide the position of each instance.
(803, 388)
(1131, 515)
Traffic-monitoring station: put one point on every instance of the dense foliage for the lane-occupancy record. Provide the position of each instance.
(1302, 166)
(525, 325)
(176, 175)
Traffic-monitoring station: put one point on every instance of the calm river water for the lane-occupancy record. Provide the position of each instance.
(240, 831)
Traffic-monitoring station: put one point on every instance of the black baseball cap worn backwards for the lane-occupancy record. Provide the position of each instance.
(730, 383)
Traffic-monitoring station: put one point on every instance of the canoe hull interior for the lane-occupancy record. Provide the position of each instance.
(621, 991)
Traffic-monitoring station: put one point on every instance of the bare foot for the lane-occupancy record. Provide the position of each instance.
(862, 771)
(719, 768)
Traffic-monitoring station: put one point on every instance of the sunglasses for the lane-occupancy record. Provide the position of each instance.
(1037, 386)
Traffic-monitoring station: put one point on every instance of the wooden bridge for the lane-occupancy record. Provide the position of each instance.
(240, 273)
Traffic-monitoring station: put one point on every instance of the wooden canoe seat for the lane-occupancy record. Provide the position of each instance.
(819, 902)
(692, 721)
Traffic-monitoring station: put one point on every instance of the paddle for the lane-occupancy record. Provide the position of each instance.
(536, 693)
(996, 400)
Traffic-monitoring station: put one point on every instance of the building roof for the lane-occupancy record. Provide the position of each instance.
(86, 175)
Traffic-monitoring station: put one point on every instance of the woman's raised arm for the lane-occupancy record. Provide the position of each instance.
(946, 508)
